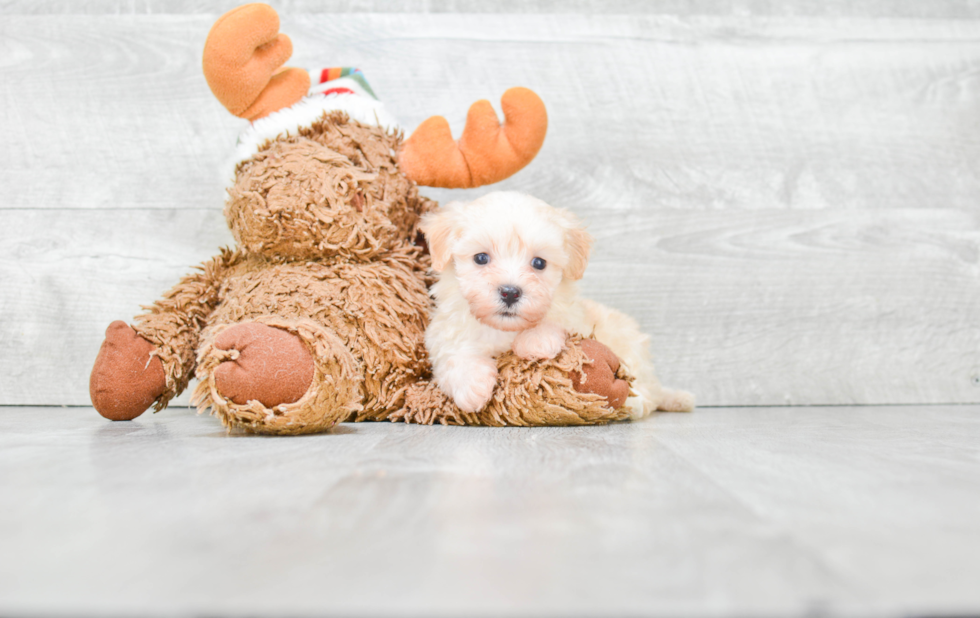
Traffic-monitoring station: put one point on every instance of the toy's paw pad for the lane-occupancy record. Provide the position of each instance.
(266, 364)
(599, 377)
(126, 379)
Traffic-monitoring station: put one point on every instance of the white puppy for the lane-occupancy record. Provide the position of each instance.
(507, 266)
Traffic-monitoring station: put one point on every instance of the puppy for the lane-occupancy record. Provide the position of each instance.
(507, 264)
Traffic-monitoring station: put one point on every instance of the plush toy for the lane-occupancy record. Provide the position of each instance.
(318, 315)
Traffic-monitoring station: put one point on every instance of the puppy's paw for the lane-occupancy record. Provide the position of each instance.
(544, 341)
(475, 392)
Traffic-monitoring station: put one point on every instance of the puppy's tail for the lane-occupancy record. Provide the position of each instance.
(675, 401)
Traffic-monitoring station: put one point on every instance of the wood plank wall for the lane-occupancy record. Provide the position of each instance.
(784, 194)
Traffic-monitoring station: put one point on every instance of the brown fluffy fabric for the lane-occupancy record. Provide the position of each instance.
(528, 393)
(376, 310)
(325, 224)
(332, 191)
(173, 323)
(334, 395)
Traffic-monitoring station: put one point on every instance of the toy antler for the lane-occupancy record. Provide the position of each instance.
(486, 153)
(242, 56)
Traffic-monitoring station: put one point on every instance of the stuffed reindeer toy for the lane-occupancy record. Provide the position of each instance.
(318, 315)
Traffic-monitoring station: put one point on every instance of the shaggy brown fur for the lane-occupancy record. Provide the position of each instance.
(333, 191)
(528, 393)
(325, 223)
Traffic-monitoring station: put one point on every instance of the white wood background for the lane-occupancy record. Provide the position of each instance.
(784, 194)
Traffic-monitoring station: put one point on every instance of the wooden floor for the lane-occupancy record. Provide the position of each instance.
(736, 511)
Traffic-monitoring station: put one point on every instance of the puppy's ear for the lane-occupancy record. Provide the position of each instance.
(578, 245)
(440, 228)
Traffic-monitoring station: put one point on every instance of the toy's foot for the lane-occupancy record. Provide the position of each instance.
(265, 364)
(599, 377)
(126, 379)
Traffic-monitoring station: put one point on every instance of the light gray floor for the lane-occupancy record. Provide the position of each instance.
(738, 511)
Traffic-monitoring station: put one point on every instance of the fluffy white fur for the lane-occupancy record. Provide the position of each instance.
(471, 323)
(362, 108)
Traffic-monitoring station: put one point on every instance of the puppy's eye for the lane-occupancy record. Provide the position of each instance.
(481, 259)
(538, 263)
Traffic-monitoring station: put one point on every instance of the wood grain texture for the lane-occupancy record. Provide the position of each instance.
(788, 204)
(744, 307)
(934, 9)
(78, 271)
(699, 113)
(735, 512)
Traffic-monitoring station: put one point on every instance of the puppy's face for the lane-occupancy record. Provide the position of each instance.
(508, 253)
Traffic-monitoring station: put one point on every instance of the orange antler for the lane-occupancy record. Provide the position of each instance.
(486, 153)
(242, 56)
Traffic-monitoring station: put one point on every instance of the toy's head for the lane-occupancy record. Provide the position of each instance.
(314, 182)
(505, 254)
(332, 190)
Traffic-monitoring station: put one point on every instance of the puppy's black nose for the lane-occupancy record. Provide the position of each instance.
(510, 294)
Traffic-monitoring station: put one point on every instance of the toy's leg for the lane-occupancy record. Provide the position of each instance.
(277, 376)
(577, 387)
(126, 378)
